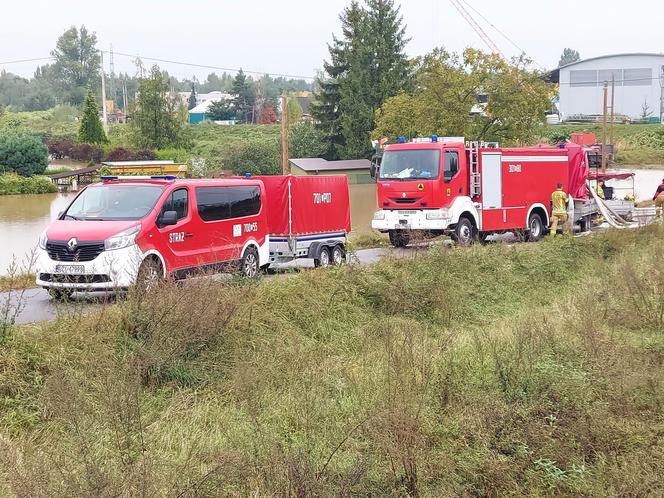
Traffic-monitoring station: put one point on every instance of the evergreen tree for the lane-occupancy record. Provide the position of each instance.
(191, 101)
(367, 66)
(91, 130)
(155, 122)
(568, 56)
(244, 98)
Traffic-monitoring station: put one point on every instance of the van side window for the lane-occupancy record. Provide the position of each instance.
(222, 203)
(178, 201)
(451, 164)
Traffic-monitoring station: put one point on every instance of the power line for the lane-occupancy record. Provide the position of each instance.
(218, 68)
(500, 32)
(27, 60)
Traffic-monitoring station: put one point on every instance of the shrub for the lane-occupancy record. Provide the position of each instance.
(13, 184)
(86, 152)
(304, 140)
(59, 148)
(22, 154)
(119, 154)
(144, 155)
(258, 157)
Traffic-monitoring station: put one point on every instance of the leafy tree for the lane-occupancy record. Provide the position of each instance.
(367, 66)
(220, 110)
(244, 98)
(445, 100)
(77, 63)
(568, 56)
(258, 157)
(22, 154)
(91, 130)
(305, 140)
(191, 101)
(155, 122)
(267, 116)
(294, 110)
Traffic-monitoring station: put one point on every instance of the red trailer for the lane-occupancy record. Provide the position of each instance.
(308, 217)
(444, 187)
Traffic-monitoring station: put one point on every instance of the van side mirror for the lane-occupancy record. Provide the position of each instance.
(168, 218)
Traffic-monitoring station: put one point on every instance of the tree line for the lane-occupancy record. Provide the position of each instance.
(76, 69)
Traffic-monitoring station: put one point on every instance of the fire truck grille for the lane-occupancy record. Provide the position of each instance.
(405, 200)
(85, 251)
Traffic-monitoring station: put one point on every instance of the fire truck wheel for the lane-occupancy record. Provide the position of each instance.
(323, 258)
(249, 266)
(150, 274)
(465, 233)
(338, 255)
(399, 238)
(535, 227)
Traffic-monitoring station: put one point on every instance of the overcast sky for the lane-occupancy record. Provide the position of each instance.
(291, 36)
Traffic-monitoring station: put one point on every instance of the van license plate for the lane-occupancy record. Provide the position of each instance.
(70, 269)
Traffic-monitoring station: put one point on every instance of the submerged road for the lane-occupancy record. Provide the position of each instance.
(35, 305)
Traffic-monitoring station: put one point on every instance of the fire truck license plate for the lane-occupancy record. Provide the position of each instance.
(404, 224)
(70, 269)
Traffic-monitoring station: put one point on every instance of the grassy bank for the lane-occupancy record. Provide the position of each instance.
(15, 282)
(12, 184)
(638, 145)
(487, 371)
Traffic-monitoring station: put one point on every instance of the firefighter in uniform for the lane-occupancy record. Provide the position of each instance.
(659, 196)
(559, 211)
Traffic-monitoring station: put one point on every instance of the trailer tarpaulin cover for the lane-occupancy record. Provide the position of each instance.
(319, 204)
(578, 171)
(602, 177)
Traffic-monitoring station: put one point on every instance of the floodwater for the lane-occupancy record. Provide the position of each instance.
(24, 217)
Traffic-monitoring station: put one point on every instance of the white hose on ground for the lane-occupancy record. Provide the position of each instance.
(611, 218)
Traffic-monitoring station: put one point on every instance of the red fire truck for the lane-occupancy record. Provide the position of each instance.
(469, 191)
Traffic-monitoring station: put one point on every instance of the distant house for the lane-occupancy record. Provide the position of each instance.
(203, 102)
(305, 101)
(357, 170)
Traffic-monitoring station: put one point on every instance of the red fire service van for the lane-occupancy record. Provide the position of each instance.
(468, 191)
(129, 229)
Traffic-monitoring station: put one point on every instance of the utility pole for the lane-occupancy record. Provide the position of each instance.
(285, 168)
(112, 74)
(604, 128)
(103, 95)
(661, 97)
(613, 101)
(124, 98)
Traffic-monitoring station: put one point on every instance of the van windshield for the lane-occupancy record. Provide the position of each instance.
(412, 164)
(114, 202)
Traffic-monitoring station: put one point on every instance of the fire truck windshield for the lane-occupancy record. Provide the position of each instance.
(412, 164)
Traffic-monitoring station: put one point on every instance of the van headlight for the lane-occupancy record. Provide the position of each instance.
(379, 215)
(43, 239)
(123, 239)
(438, 214)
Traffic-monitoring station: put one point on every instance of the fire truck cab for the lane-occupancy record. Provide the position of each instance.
(470, 190)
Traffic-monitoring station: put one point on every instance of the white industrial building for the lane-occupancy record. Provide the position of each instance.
(639, 83)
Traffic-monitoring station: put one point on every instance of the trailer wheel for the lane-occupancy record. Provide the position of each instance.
(249, 265)
(399, 238)
(338, 255)
(323, 258)
(535, 227)
(464, 233)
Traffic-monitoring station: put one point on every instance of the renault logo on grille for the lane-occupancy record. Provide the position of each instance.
(72, 244)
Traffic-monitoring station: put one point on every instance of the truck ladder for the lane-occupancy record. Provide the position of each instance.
(475, 180)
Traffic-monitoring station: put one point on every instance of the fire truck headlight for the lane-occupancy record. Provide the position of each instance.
(379, 215)
(122, 239)
(438, 214)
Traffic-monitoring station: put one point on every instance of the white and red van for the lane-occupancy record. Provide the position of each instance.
(125, 230)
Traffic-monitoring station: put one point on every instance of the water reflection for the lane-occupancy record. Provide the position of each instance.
(22, 219)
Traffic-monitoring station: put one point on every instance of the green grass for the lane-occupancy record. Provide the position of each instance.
(635, 144)
(16, 282)
(488, 371)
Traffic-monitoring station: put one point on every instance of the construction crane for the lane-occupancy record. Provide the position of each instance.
(478, 29)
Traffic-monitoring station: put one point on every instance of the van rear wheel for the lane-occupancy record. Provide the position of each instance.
(250, 265)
